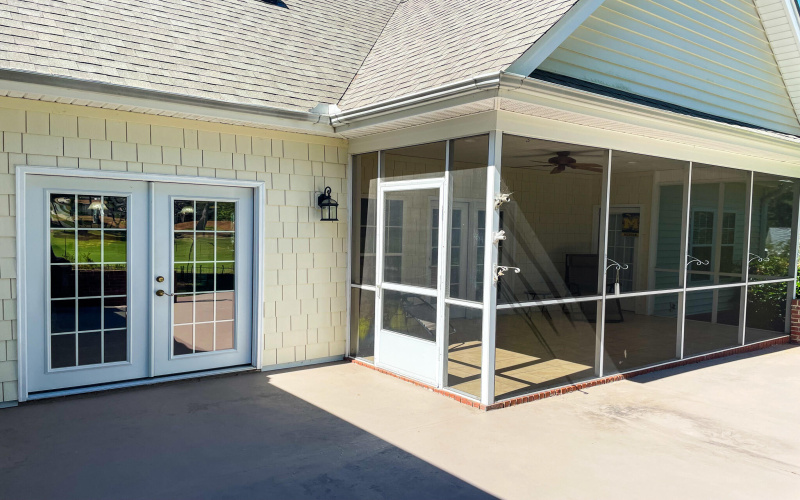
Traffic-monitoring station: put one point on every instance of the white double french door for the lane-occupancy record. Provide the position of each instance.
(130, 279)
(411, 272)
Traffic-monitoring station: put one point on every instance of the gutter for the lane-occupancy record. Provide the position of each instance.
(487, 81)
(146, 98)
(506, 84)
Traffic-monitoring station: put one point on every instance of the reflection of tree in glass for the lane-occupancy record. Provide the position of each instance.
(61, 212)
(116, 208)
(204, 215)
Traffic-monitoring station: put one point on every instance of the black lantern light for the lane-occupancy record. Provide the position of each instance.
(328, 205)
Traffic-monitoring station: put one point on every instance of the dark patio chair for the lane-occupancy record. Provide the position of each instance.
(581, 278)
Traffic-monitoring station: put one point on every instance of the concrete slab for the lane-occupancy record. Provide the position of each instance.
(721, 429)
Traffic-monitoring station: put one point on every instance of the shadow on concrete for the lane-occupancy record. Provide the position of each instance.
(669, 372)
(227, 437)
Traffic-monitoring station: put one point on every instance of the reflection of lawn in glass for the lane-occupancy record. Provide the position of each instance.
(89, 246)
(183, 247)
(62, 244)
(204, 251)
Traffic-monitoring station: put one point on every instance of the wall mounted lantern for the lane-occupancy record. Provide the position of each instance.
(328, 205)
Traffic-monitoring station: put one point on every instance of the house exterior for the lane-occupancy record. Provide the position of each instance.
(532, 195)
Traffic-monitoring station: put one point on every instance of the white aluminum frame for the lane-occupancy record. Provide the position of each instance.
(259, 205)
(439, 292)
(476, 125)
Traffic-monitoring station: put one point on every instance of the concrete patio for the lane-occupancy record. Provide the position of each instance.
(722, 429)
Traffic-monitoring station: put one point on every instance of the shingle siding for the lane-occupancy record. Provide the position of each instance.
(304, 308)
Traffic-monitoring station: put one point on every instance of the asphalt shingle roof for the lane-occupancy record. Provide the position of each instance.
(430, 43)
(243, 51)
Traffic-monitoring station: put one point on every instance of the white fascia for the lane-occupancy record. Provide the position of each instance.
(528, 90)
(553, 38)
(99, 94)
(781, 21)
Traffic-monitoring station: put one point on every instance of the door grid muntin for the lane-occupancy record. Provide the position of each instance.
(86, 221)
(217, 325)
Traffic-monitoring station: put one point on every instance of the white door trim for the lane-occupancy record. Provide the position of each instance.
(259, 200)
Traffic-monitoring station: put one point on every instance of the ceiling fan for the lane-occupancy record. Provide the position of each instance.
(562, 160)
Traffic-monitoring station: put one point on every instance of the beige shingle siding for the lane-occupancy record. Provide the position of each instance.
(245, 51)
(430, 43)
(305, 260)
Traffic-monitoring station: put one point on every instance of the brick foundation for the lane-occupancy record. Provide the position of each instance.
(795, 338)
(795, 328)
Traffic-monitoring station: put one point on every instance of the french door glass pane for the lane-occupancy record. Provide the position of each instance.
(88, 286)
(203, 308)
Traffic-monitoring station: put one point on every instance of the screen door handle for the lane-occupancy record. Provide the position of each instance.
(161, 293)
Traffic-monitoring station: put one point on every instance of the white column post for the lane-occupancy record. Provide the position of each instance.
(745, 258)
(602, 255)
(682, 275)
(490, 257)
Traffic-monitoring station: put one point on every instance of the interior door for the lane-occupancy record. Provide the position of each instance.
(86, 261)
(203, 272)
(410, 275)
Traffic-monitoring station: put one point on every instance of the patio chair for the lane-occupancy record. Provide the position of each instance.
(581, 279)
(418, 309)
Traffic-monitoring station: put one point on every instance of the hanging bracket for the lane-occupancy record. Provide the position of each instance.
(695, 260)
(501, 198)
(498, 236)
(756, 257)
(614, 263)
(501, 271)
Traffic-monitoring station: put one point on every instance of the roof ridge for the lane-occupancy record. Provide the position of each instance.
(374, 42)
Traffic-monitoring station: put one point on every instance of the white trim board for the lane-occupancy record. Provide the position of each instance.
(781, 21)
(554, 37)
(259, 199)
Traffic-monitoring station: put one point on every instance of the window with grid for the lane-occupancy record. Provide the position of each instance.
(88, 289)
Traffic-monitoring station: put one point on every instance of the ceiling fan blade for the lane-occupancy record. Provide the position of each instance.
(558, 169)
(588, 168)
(593, 165)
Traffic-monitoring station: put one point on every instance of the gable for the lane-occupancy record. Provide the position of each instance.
(712, 56)
(429, 43)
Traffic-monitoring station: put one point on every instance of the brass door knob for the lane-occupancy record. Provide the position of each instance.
(160, 279)
(161, 293)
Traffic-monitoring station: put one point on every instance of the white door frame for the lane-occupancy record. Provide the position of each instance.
(443, 264)
(259, 200)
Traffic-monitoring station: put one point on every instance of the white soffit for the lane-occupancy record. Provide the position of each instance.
(781, 22)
